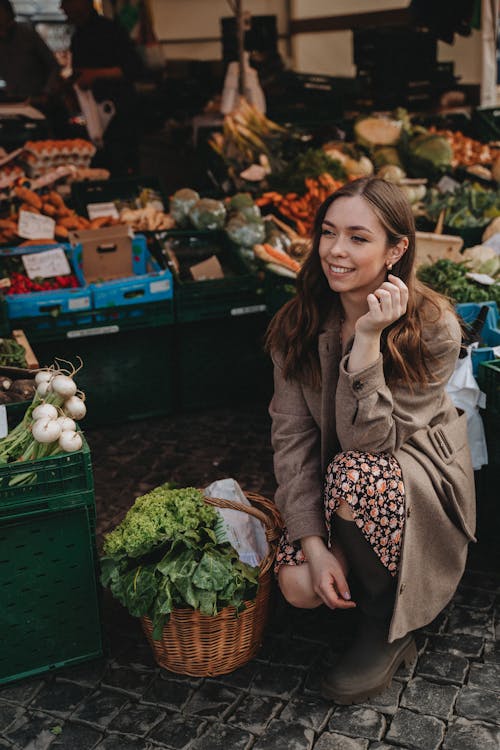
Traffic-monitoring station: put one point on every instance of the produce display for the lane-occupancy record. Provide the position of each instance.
(468, 205)
(43, 156)
(48, 426)
(16, 281)
(451, 279)
(169, 552)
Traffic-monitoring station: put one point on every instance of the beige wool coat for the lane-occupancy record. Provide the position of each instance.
(425, 433)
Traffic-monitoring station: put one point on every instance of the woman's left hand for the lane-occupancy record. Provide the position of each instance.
(387, 304)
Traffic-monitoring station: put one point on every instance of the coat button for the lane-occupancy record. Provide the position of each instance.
(408, 512)
(402, 588)
(357, 385)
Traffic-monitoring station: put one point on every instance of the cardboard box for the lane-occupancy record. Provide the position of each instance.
(431, 247)
(106, 252)
(31, 360)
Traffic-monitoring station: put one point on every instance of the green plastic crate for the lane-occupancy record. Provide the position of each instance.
(240, 292)
(49, 616)
(489, 381)
(65, 474)
(128, 364)
(222, 362)
(278, 290)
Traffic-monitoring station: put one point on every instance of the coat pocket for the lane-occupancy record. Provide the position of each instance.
(462, 515)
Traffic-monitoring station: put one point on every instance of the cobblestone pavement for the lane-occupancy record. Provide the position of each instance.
(449, 699)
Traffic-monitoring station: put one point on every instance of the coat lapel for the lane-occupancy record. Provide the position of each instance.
(329, 357)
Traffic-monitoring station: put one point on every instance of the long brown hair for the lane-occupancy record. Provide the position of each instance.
(293, 332)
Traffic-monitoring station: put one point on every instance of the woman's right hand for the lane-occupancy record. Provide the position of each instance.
(327, 576)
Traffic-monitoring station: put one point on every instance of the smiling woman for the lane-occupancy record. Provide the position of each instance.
(371, 457)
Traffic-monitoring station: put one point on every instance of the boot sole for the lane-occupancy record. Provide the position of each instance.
(408, 656)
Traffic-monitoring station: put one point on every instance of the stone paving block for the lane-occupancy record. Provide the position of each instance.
(176, 731)
(437, 625)
(5, 743)
(211, 700)
(334, 741)
(294, 652)
(383, 746)
(167, 691)
(416, 731)
(88, 673)
(60, 698)
(9, 714)
(32, 730)
(492, 652)
(114, 742)
(242, 677)
(443, 667)
(309, 711)
(473, 703)
(470, 646)
(387, 702)
(100, 708)
(131, 681)
(484, 580)
(254, 713)
(469, 622)
(21, 693)
(220, 737)
(430, 698)
(356, 721)
(486, 676)
(285, 735)
(277, 681)
(471, 735)
(135, 718)
(479, 600)
(76, 737)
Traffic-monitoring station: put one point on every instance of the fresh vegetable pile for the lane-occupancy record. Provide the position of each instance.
(167, 553)
(12, 268)
(451, 279)
(469, 205)
(48, 426)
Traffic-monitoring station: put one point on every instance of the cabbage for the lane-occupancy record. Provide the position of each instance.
(429, 155)
(181, 203)
(208, 214)
(244, 232)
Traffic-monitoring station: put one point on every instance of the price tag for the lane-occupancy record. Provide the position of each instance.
(46, 264)
(35, 226)
(96, 210)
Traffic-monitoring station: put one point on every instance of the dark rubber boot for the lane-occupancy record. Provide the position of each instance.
(368, 666)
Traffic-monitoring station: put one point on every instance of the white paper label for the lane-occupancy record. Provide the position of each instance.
(84, 332)
(35, 226)
(46, 264)
(248, 310)
(96, 210)
(481, 278)
(79, 303)
(4, 427)
(159, 286)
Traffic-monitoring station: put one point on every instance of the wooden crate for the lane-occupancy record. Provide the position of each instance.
(431, 247)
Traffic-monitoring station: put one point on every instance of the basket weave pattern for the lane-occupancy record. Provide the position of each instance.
(204, 646)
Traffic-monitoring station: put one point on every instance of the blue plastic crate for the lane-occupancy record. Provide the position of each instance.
(149, 283)
(51, 302)
(489, 334)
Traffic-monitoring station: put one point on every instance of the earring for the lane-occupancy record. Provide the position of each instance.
(389, 266)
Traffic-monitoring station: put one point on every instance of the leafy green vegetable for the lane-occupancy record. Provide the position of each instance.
(311, 163)
(470, 205)
(450, 278)
(165, 554)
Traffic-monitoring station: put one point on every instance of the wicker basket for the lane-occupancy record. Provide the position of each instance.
(205, 646)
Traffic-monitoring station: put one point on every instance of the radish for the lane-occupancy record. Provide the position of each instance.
(64, 386)
(75, 408)
(43, 388)
(70, 441)
(43, 376)
(66, 423)
(44, 411)
(46, 430)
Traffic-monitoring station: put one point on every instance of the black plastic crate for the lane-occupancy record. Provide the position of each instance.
(117, 191)
(486, 123)
(239, 293)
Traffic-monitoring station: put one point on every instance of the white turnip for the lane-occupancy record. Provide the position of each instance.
(70, 440)
(46, 430)
(75, 408)
(44, 411)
